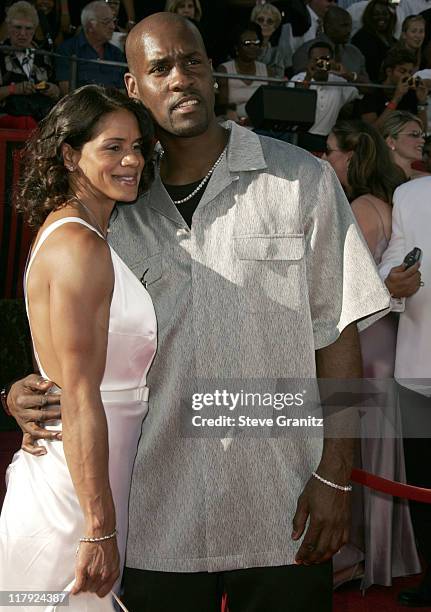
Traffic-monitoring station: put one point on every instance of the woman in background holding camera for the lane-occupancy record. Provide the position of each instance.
(405, 138)
(381, 534)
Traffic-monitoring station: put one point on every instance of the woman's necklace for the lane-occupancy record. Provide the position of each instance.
(203, 181)
(92, 216)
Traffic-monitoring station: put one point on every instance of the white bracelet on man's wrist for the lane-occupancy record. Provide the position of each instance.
(345, 488)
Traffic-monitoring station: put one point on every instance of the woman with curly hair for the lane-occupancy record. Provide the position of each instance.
(94, 337)
(382, 533)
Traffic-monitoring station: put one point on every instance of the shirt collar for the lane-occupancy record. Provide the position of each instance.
(244, 151)
(244, 154)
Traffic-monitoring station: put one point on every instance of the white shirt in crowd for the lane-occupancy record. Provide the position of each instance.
(330, 100)
(310, 34)
(411, 227)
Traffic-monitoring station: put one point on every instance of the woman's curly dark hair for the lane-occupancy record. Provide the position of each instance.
(45, 186)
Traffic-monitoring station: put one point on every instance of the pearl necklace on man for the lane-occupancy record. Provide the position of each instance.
(203, 181)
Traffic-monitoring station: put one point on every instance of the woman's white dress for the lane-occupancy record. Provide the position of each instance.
(41, 520)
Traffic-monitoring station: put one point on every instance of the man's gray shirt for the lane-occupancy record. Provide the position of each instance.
(272, 269)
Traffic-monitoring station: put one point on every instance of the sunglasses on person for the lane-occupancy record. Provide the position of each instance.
(265, 21)
(328, 151)
(251, 43)
(416, 134)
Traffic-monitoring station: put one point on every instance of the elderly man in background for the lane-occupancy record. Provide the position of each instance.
(25, 87)
(92, 43)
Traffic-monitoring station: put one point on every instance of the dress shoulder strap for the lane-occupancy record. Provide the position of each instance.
(51, 228)
(44, 235)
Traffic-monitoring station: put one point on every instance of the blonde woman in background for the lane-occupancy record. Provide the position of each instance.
(404, 135)
(186, 8)
(413, 36)
(269, 18)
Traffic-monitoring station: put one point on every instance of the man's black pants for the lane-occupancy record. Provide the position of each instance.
(289, 588)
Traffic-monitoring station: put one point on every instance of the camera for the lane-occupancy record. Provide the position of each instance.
(323, 63)
(413, 82)
(412, 257)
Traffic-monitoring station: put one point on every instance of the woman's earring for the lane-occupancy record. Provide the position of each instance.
(215, 86)
(70, 168)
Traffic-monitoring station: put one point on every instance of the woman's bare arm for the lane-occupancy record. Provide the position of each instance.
(81, 284)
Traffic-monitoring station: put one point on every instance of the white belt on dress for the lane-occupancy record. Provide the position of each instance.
(139, 394)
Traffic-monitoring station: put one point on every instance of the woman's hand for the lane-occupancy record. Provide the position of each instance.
(97, 567)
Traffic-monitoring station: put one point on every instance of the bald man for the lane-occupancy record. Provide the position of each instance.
(250, 252)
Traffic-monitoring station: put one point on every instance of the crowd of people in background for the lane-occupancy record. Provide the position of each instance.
(364, 43)
(375, 138)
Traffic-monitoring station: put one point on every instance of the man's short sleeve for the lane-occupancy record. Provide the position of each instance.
(343, 282)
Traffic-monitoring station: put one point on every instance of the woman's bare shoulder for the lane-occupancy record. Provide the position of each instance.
(75, 249)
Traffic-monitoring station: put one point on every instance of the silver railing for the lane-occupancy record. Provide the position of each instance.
(75, 60)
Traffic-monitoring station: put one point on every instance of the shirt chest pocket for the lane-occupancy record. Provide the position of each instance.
(270, 272)
(148, 270)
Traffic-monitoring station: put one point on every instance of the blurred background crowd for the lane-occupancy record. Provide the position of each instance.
(337, 50)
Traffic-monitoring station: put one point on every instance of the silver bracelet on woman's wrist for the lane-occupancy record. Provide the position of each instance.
(346, 488)
(101, 539)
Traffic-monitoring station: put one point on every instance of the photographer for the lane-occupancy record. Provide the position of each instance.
(330, 100)
(404, 92)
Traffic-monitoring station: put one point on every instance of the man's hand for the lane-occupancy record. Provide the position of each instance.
(29, 403)
(340, 70)
(328, 530)
(402, 282)
(401, 90)
(24, 88)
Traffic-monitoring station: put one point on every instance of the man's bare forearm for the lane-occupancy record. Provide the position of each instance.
(340, 360)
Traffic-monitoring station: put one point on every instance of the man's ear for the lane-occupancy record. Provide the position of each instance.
(131, 86)
(71, 157)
